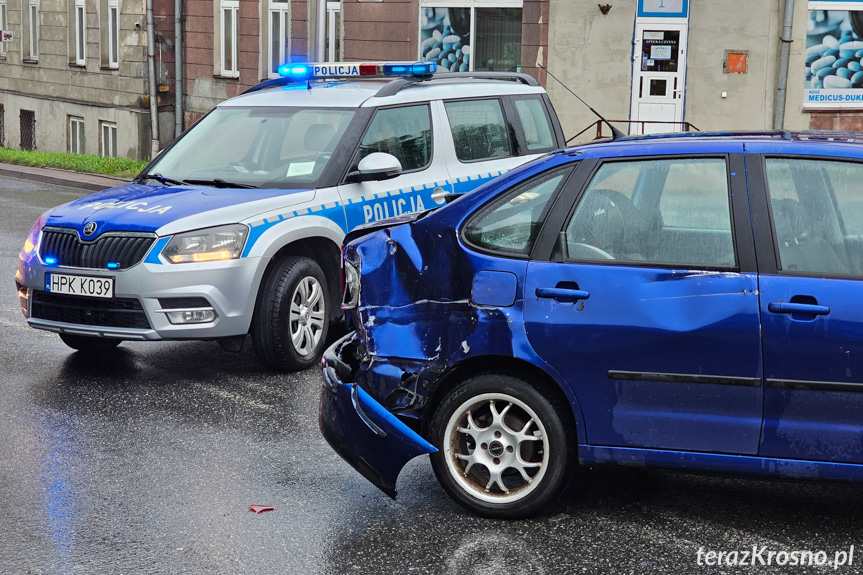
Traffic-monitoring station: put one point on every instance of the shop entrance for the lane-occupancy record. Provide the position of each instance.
(659, 77)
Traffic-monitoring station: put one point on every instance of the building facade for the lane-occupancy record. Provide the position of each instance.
(75, 77)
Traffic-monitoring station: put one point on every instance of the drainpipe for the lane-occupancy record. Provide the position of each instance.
(784, 53)
(321, 32)
(151, 70)
(178, 67)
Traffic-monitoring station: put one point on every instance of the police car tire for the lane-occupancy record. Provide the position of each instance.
(271, 330)
(557, 457)
(89, 344)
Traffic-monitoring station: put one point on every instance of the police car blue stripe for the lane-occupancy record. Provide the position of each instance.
(153, 256)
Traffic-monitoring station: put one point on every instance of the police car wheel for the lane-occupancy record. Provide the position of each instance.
(88, 344)
(503, 446)
(290, 326)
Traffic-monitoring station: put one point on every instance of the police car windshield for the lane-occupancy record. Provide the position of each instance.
(257, 147)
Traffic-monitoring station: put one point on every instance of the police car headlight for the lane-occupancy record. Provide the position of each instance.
(208, 245)
(31, 244)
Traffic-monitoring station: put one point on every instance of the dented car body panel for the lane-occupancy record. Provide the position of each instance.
(640, 295)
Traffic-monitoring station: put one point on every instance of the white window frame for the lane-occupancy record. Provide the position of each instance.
(113, 33)
(231, 9)
(279, 12)
(76, 135)
(33, 7)
(108, 139)
(473, 5)
(80, 33)
(334, 10)
(3, 24)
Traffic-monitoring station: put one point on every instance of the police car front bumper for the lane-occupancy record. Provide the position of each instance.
(156, 293)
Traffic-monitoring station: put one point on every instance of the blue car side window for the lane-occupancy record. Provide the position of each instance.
(666, 212)
(511, 224)
(817, 206)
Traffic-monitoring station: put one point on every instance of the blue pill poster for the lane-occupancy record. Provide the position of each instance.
(834, 59)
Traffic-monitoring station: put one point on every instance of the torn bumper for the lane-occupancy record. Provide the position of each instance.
(359, 428)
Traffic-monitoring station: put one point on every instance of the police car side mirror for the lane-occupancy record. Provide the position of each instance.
(376, 166)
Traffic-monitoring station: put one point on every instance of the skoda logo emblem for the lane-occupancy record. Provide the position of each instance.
(90, 229)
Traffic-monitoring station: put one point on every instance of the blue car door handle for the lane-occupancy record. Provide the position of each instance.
(563, 293)
(786, 307)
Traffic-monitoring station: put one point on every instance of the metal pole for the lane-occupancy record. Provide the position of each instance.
(151, 69)
(321, 31)
(178, 67)
(784, 54)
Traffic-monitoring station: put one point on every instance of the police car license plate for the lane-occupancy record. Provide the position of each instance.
(79, 285)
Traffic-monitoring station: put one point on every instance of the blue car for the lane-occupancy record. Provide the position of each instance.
(687, 302)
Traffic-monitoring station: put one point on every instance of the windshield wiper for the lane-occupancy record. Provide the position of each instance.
(159, 178)
(218, 183)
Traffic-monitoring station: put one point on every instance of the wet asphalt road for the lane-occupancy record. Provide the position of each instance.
(146, 462)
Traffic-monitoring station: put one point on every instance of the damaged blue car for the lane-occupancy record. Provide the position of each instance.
(685, 302)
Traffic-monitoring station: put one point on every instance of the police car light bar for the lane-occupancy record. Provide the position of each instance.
(350, 69)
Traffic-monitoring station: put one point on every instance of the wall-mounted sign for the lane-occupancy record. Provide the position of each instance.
(834, 48)
(6, 35)
(663, 8)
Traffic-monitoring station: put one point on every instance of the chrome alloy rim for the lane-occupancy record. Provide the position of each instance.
(307, 316)
(496, 448)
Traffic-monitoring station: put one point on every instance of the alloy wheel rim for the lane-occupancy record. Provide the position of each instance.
(307, 316)
(496, 448)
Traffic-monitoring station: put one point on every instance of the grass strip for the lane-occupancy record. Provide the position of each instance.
(118, 167)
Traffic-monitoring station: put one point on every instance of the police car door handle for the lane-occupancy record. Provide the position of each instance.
(562, 293)
(439, 194)
(786, 307)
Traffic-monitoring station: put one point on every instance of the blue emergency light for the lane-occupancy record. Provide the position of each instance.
(351, 69)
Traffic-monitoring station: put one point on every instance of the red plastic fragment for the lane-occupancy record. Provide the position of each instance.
(260, 508)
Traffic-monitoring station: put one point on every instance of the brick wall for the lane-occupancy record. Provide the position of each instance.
(833, 120)
(534, 38)
(387, 30)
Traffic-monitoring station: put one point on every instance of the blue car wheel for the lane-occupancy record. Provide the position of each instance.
(503, 446)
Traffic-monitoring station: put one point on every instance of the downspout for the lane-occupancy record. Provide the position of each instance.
(784, 54)
(151, 70)
(321, 31)
(178, 68)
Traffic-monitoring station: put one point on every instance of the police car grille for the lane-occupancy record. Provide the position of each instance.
(123, 250)
(119, 312)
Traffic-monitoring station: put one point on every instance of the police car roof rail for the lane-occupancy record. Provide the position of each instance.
(397, 85)
(271, 83)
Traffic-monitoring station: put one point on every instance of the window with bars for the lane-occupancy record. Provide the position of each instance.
(2, 127)
(109, 139)
(229, 36)
(27, 124)
(80, 33)
(76, 135)
(279, 35)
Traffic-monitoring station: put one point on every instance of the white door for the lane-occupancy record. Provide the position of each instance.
(659, 77)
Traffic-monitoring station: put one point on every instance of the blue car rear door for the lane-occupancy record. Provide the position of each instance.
(651, 312)
(809, 228)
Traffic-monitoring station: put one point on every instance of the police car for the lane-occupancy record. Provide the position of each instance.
(236, 228)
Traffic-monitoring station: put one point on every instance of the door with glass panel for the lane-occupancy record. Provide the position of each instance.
(811, 287)
(651, 310)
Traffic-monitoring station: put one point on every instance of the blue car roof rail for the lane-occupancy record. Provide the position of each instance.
(784, 134)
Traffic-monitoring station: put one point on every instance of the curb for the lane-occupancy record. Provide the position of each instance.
(89, 182)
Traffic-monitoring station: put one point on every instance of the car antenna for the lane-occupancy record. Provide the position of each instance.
(615, 133)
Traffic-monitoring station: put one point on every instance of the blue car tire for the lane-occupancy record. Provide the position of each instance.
(504, 450)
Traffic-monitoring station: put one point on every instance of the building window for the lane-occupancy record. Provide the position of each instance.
(228, 15)
(113, 34)
(280, 35)
(76, 135)
(3, 26)
(33, 30)
(80, 33)
(27, 125)
(2, 127)
(833, 74)
(109, 139)
(472, 35)
(334, 44)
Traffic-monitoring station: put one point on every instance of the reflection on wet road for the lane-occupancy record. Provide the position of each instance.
(146, 461)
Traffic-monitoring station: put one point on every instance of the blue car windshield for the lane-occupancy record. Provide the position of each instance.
(256, 147)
